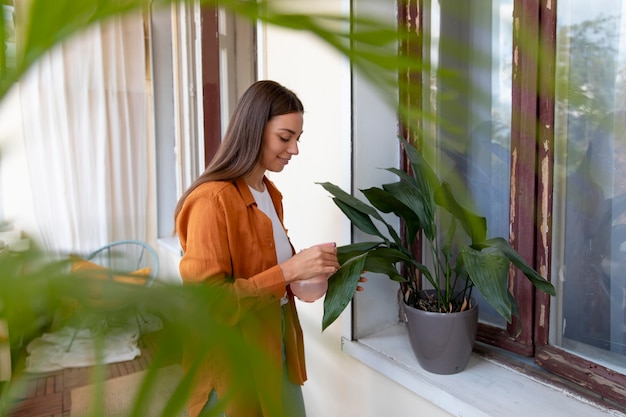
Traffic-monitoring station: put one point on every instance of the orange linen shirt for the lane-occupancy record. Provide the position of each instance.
(226, 238)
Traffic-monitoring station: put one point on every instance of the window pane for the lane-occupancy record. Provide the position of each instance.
(589, 256)
(470, 52)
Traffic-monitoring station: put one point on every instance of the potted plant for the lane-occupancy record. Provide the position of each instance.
(462, 259)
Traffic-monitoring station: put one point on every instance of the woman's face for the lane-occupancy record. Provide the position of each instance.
(280, 141)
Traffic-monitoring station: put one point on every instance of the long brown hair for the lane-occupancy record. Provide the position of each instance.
(240, 150)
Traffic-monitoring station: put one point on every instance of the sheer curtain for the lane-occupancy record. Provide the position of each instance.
(87, 135)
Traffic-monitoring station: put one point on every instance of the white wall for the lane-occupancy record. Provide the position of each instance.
(338, 385)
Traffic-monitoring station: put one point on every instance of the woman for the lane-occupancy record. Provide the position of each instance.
(229, 223)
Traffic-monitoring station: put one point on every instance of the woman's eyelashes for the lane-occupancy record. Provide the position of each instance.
(288, 139)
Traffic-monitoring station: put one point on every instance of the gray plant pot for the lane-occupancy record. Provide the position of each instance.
(442, 342)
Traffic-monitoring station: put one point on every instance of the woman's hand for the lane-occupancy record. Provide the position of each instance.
(311, 262)
(362, 279)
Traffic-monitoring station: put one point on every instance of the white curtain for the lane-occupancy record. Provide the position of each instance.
(87, 136)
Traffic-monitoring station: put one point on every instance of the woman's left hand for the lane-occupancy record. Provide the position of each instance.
(362, 279)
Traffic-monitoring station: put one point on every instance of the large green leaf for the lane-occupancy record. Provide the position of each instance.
(359, 213)
(474, 225)
(382, 265)
(359, 219)
(488, 270)
(348, 199)
(405, 176)
(410, 196)
(512, 255)
(385, 200)
(341, 287)
(395, 255)
(384, 260)
(425, 177)
(345, 252)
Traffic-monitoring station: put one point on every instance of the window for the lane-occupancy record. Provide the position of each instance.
(532, 124)
(472, 106)
(199, 76)
(591, 143)
(476, 125)
(587, 326)
(487, 130)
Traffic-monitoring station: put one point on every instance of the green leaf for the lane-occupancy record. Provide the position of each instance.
(379, 259)
(424, 175)
(447, 246)
(422, 217)
(360, 214)
(489, 270)
(341, 287)
(425, 272)
(394, 255)
(382, 265)
(512, 255)
(345, 252)
(356, 247)
(474, 225)
(349, 200)
(405, 176)
(385, 200)
(359, 219)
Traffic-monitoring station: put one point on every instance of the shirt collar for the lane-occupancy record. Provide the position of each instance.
(247, 196)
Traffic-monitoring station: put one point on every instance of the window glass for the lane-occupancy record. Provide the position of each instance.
(469, 49)
(589, 230)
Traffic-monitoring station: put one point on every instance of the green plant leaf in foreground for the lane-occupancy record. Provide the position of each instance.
(45, 24)
(341, 287)
(35, 292)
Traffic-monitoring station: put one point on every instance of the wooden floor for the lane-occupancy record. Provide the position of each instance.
(49, 394)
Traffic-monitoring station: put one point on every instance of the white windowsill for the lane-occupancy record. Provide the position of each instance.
(484, 388)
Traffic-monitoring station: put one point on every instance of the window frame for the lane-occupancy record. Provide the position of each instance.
(202, 58)
(526, 21)
(532, 145)
(602, 381)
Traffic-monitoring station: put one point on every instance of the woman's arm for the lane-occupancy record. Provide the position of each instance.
(226, 246)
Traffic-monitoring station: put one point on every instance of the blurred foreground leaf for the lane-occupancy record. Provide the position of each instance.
(33, 290)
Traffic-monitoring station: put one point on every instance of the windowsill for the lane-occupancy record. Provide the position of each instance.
(484, 388)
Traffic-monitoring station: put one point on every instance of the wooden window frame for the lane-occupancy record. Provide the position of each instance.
(211, 101)
(532, 163)
(603, 382)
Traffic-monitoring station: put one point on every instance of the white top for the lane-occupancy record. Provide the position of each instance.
(281, 242)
